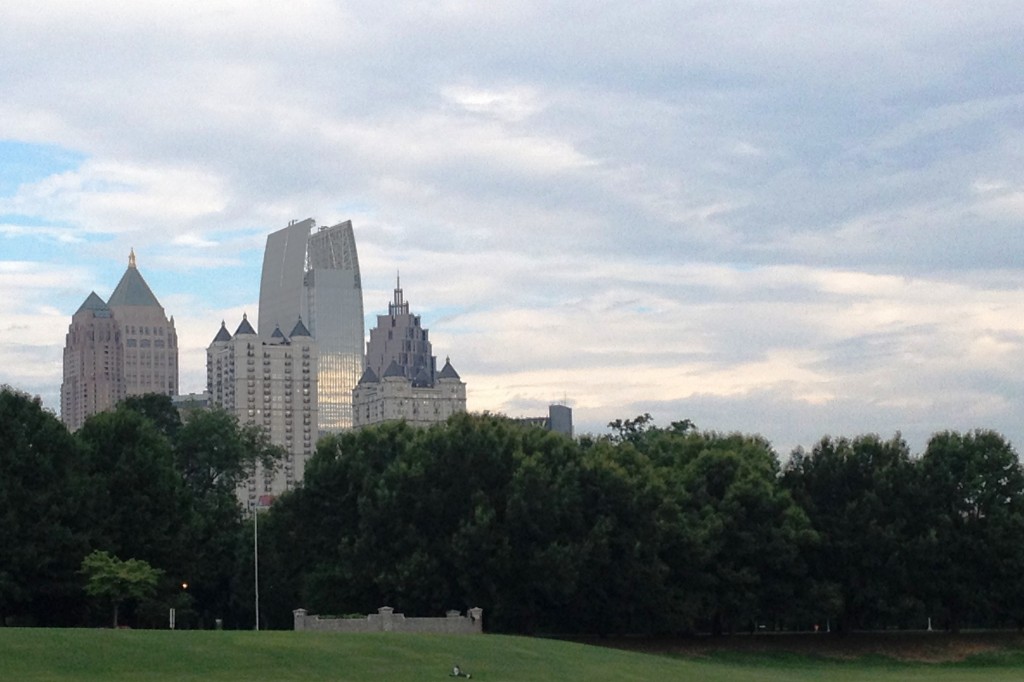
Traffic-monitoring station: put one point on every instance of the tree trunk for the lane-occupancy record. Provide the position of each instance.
(115, 616)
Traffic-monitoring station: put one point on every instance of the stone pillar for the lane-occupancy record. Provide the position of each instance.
(300, 618)
(476, 617)
(387, 618)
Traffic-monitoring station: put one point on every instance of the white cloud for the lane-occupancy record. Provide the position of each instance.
(107, 197)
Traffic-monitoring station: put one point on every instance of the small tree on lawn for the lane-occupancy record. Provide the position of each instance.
(116, 580)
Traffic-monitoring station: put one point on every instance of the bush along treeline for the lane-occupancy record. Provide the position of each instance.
(646, 530)
(139, 486)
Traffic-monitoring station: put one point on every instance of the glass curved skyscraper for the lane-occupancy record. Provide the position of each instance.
(315, 277)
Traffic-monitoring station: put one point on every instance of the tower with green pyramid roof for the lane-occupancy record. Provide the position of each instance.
(122, 347)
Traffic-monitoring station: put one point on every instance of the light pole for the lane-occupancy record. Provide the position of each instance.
(256, 559)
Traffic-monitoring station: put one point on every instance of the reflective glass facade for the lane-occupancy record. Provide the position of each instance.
(316, 276)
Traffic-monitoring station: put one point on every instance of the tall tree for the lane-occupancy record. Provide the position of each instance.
(749, 530)
(42, 528)
(860, 496)
(973, 486)
(138, 505)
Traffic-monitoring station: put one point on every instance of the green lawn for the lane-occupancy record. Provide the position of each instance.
(36, 655)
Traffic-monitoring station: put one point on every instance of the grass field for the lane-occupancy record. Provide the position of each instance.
(36, 655)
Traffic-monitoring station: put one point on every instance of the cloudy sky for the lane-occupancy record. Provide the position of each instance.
(790, 218)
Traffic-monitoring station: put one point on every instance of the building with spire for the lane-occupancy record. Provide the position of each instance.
(316, 277)
(122, 347)
(400, 380)
(270, 382)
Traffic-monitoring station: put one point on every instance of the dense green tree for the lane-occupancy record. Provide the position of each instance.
(159, 409)
(860, 496)
(750, 531)
(973, 502)
(214, 454)
(116, 581)
(42, 527)
(138, 506)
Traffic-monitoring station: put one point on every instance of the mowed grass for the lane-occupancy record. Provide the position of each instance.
(37, 655)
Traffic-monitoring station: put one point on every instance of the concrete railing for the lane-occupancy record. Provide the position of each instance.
(386, 620)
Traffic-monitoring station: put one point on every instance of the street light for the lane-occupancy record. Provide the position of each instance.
(263, 501)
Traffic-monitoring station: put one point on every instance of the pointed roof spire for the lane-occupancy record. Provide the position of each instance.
(394, 370)
(399, 306)
(132, 290)
(223, 334)
(96, 305)
(422, 379)
(448, 372)
(369, 377)
(245, 327)
(299, 329)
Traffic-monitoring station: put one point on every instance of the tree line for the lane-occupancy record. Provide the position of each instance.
(653, 530)
(645, 530)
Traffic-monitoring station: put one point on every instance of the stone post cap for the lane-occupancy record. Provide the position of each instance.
(300, 612)
(385, 610)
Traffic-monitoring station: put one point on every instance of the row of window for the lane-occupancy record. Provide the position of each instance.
(144, 343)
(132, 329)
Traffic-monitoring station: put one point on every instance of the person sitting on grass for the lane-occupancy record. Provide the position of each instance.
(458, 672)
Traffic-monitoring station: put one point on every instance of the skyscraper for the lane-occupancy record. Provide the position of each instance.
(400, 381)
(316, 278)
(335, 313)
(398, 337)
(269, 382)
(124, 347)
(282, 287)
(93, 363)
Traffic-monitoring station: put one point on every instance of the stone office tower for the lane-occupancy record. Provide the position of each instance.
(315, 277)
(124, 347)
(401, 381)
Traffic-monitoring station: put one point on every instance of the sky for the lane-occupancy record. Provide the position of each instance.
(796, 219)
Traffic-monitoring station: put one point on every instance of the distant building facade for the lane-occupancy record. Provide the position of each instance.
(123, 347)
(400, 381)
(316, 277)
(269, 382)
(559, 420)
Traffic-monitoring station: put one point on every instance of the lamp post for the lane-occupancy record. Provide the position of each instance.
(256, 560)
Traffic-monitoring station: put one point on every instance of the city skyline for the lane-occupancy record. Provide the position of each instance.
(784, 218)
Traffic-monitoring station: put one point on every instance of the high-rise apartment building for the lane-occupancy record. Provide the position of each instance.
(316, 277)
(270, 382)
(400, 381)
(124, 347)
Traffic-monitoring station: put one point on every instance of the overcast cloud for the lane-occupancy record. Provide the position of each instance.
(790, 218)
